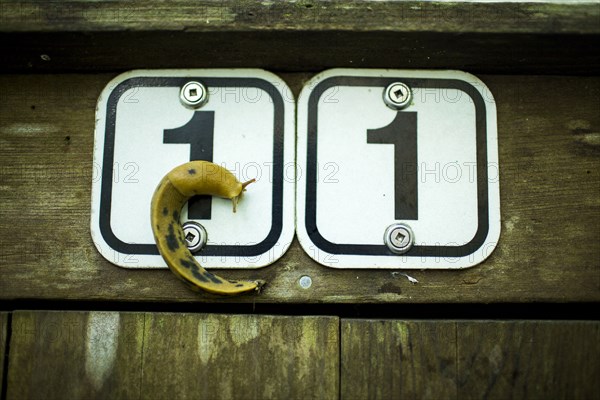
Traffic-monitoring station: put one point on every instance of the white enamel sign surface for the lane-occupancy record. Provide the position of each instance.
(143, 131)
(363, 166)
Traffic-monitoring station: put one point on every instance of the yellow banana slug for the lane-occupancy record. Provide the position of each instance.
(173, 191)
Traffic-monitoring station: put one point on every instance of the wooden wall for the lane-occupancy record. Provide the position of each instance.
(211, 356)
(540, 61)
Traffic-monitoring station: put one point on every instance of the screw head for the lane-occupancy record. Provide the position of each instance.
(397, 96)
(305, 282)
(399, 238)
(193, 94)
(195, 236)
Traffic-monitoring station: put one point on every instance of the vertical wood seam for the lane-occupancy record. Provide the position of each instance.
(142, 356)
(457, 360)
(5, 361)
(340, 372)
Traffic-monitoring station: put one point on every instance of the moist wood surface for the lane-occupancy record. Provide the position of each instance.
(158, 355)
(549, 248)
(155, 356)
(528, 360)
(62, 355)
(469, 360)
(398, 359)
(295, 36)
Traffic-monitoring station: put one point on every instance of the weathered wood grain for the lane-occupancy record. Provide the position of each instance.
(317, 15)
(240, 357)
(63, 355)
(156, 356)
(398, 359)
(549, 248)
(305, 35)
(3, 344)
(528, 360)
(470, 360)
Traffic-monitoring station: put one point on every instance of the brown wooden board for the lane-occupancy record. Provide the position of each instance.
(549, 250)
(398, 359)
(528, 359)
(470, 360)
(307, 35)
(257, 357)
(156, 356)
(62, 355)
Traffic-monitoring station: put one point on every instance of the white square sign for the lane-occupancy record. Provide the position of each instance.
(381, 186)
(143, 130)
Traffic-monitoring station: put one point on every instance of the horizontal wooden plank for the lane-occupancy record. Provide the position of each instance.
(549, 248)
(324, 15)
(156, 356)
(305, 35)
(470, 360)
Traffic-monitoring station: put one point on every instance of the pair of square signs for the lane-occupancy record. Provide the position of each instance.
(371, 168)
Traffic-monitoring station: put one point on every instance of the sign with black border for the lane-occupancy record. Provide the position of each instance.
(331, 108)
(249, 114)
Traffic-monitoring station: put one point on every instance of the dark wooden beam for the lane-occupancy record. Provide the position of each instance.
(548, 128)
(300, 36)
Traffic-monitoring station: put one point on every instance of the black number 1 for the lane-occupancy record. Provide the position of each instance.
(402, 133)
(199, 134)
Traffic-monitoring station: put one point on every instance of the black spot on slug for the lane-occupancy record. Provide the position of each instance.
(192, 171)
(176, 216)
(172, 242)
(193, 266)
(186, 264)
(165, 211)
(239, 285)
(213, 278)
(157, 227)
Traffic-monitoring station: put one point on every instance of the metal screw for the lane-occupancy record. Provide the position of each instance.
(193, 94)
(397, 95)
(399, 238)
(305, 282)
(195, 236)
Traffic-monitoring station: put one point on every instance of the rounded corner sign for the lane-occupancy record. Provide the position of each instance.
(143, 130)
(373, 155)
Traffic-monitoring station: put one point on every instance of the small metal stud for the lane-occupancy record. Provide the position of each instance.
(397, 96)
(305, 282)
(399, 238)
(195, 236)
(193, 94)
